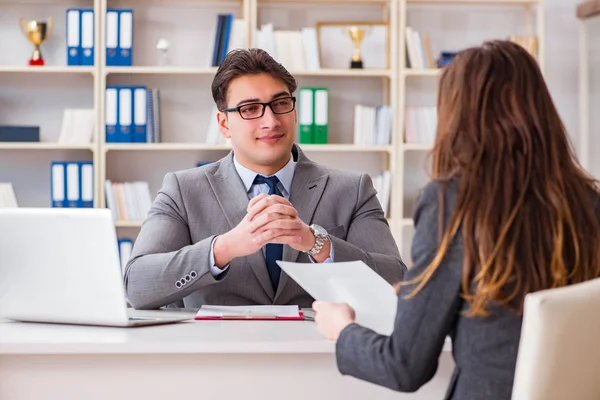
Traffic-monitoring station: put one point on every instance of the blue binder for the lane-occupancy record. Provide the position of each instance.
(73, 37)
(125, 114)
(112, 114)
(125, 38)
(140, 114)
(86, 184)
(112, 37)
(58, 184)
(86, 27)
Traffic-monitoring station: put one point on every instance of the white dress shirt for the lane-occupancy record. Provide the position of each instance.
(285, 176)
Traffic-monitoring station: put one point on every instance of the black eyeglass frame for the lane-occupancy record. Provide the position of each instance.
(264, 107)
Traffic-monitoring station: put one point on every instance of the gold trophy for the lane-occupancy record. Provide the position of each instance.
(37, 32)
(357, 35)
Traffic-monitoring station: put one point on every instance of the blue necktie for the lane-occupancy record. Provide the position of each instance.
(273, 252)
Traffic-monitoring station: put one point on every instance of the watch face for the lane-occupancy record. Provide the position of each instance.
(319, 230)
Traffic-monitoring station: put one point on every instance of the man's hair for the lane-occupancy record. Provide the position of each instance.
(241, 62)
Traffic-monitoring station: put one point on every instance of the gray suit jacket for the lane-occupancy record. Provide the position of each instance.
(195, 205)
(485, 349)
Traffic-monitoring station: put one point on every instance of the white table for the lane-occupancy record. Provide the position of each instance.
(197, 359)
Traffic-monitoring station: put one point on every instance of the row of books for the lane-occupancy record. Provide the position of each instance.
(420, 125)
(313, 115)
(80, 36)
(132, 114)
(383, 184)
(77, 126)
(418, 50)
(8, 199)
(229, 34)
(72, 184)
(128, 201)
(372, 125)
(295, 49)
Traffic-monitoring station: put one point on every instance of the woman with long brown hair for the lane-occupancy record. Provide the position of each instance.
(509, 211)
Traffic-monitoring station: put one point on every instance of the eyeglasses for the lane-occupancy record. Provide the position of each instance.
(281, 105)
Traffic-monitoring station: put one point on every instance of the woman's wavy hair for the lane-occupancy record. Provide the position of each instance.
(525, 207)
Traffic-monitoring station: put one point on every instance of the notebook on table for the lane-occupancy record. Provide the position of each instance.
(257, 313)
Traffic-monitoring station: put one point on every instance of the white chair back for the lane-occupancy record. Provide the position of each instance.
(559, 350)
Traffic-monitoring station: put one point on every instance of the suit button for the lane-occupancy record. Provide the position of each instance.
(182, 281)
(188, 278)
(194, 274)
(178, 285)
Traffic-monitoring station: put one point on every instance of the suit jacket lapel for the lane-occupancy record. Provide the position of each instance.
(233, 200)
(307, 188)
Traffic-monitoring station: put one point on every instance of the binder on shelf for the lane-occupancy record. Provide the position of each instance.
(125, 37)
(58, 186)
(125, 115)
(112, 37)
(73, 37)
(72, 181)
(306, 119)
(112, 114)
(140, 114)
(125, 248)
(86, 185)
(321, 115)
(87, 36)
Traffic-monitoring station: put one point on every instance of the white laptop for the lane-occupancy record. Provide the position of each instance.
(62, 266)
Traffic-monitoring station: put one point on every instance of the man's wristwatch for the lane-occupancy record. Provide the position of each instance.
(321, 237)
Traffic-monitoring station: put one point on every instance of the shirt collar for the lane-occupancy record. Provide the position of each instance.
(285, 174)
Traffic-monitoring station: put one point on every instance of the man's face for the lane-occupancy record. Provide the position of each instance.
(263, 144)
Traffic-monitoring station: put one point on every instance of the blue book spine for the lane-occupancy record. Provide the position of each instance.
(125, 134)
(227, 31)
(58, 184)
(218, 40)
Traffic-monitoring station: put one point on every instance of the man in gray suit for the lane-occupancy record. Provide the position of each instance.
(214, 233)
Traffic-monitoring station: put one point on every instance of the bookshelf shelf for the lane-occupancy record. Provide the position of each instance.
(326, 2)
(147, 70)
(421, 72)
(128, 224)
(416, 147)
(477, 2)
(47, 70)
(342, 148)
(355, 73)
(164, 147)
(44, 146)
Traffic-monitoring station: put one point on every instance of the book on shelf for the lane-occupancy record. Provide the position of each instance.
(297, 50)
(125, 249)
(80, 36)
(8, 199)
(77, 126)
(420, 124)
(72, 184)
(313, 117)
(228, 34)
(128, 201)
(419, 54)
(132, 114)
(372, 125)
(383, 184)
(119, 37)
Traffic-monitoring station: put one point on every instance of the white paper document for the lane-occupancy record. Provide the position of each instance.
(248, 311)
(373, 299)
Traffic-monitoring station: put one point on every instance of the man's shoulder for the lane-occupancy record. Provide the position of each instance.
(194, 174)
